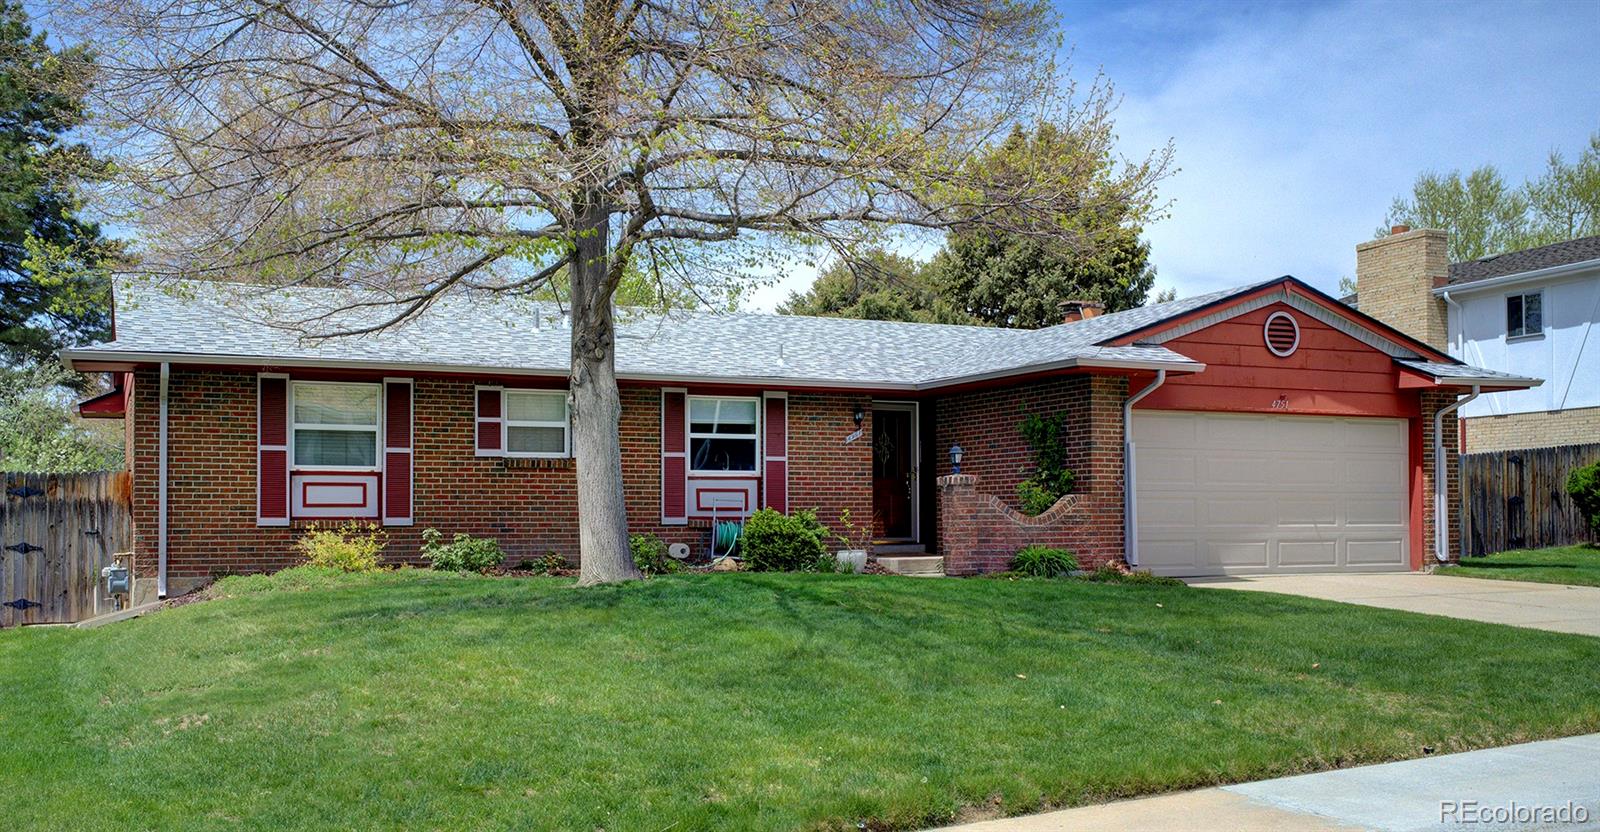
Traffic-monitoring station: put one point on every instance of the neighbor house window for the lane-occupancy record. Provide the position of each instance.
(1524, 314)
(722, 434)
(335, 425)
(536, 423)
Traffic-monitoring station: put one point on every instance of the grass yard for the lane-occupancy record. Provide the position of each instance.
(415, 700)
(1579, 565)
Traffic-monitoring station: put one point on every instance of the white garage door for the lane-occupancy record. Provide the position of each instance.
(1238, 494)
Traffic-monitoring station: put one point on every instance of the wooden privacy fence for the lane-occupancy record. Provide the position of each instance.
(1518, 499)
(56, 532)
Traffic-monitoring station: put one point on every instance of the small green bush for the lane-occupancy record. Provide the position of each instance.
(1107, 575)
(1583, 485)
(650, 555)
(351, 547)
(774, 542)
(464, 554)
(1043, 561)
(551, 561)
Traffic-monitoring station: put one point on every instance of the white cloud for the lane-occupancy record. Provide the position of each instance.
(1293, 134)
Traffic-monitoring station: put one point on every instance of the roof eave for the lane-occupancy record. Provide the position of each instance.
(1545, 273)
(71, 356)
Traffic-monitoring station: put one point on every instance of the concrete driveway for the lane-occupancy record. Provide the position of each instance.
(1563, 609)
(1509, 788)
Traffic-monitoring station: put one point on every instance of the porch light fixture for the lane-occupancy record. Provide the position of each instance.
(861, 416)
(955, 458)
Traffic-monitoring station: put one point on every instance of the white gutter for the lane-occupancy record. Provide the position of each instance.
(1461, 325)
(1130, 502)
(1507, 279)
(70, 357)
(1441, 481)
(161, 489)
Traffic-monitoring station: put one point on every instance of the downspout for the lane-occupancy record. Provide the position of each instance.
(1458, 338)
(1130, 504)
(1441, 482)
(161, 489)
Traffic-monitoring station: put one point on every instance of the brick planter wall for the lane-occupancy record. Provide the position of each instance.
(986, 425)
(980, 533)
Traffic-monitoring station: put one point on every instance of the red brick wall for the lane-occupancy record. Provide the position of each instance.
(211, 509)
(986, 425)
(1431, 402)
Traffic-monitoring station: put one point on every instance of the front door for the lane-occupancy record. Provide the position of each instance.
(894, 471)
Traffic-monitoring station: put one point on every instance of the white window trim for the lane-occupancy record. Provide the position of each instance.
(1526, 333)
(376, 429)
(688, 444)
(507, 423)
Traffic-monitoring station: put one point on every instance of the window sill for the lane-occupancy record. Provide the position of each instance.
(1532, 336)
(727, 475)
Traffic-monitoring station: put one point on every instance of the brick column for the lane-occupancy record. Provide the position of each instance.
(958, 526)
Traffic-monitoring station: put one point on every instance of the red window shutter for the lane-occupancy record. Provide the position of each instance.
(775, 474)
(397, 451)
(272, 450)
(489, 424)
(674, 459)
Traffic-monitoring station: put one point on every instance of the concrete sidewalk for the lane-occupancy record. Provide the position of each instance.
(1557, 607)
(1516, 783)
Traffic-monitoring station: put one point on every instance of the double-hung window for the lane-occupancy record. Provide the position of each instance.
(722, 434)
(335, 425)
(537, 423)
(1524, 314)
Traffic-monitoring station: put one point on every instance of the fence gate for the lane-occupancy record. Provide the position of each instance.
(56, 532)
(1518, 499)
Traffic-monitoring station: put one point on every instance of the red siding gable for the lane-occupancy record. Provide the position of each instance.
(1330, 373)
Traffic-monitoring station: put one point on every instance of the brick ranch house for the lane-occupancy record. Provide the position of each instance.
(1272, 429)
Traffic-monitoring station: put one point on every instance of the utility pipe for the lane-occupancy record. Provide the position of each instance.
(1441, 482)
(1130, 503)
(161, 489)
(1458, 340)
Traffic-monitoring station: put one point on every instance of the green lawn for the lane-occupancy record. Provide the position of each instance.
(415, 700)
(1556, 565)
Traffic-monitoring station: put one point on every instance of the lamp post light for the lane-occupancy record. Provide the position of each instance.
(955, 458)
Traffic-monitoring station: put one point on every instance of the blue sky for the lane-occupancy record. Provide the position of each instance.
(1296, 124)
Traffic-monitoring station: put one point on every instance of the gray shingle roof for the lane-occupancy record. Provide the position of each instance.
(477, 331)
(463, 331)
(1442, 370)
(1526, 260)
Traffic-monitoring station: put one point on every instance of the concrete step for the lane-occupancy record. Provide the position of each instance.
(921, 565)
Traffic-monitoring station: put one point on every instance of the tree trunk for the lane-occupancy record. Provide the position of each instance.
(597, 407)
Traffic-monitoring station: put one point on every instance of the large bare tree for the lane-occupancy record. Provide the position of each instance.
(408, 148)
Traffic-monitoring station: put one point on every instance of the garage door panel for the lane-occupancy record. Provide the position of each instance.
(1169, 512)
(1315, 510)
(1238, 512)
(1225, 493)
(1308, 553)
(1243, 432)
(1391, 552)
(1236, 553)
(1168, 555)
(1376, 511)
(1161, 468)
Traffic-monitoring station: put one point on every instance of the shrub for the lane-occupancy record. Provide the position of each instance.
(551, 561)
(774, 542)
(1044, 562)
(464, 554)
(351, 547)
(1583, 485)
(1107, 575)
(1051, 479)
(650, 555)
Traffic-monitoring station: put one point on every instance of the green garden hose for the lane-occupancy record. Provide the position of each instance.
(723, 537)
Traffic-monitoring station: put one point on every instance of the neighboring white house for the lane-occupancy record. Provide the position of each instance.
(1531, 313)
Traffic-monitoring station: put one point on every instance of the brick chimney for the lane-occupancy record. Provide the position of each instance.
(1080, 310)
(1394, 279)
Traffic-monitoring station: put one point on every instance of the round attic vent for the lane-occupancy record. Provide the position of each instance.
(1282, 334)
